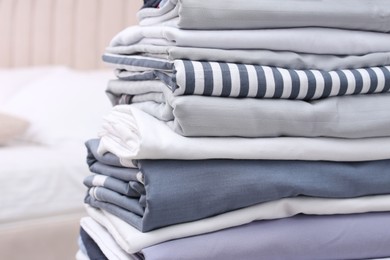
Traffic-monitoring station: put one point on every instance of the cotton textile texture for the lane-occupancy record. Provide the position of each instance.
(299, 237)
(93, 251)
(224, 244)
(130, 134)
(81, 255)
(245, 130)
(185, 77)
(357, 116)
(103, 241)
(310, 40)
(151, 3)
(285, 59)
(233, 243)
(132, 240)
(165, 197)
(372, 15)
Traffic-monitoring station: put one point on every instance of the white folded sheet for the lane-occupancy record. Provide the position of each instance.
(131, 134)
(301, 40)
(132, 240)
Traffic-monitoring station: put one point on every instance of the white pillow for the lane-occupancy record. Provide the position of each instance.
(64, 105)
(11, 127)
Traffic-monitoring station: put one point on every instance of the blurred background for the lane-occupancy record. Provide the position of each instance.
(52, 99)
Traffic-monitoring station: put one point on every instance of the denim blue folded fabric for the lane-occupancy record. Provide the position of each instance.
(178, 191)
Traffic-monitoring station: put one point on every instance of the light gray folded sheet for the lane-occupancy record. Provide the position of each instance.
(356, 116)
(284, 59)
(300, 40)
(355, 236)
(372, 15)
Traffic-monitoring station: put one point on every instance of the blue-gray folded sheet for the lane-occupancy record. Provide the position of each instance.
(165, 192)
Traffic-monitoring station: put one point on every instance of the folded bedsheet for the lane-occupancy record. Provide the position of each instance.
(185, 77)
(104, 242)
(165, 193)
(132, 240)
(169, 198)
(356, 116)
(372, 15)
(130, 134)
(285, 59)
(300, 40)
(298, 237)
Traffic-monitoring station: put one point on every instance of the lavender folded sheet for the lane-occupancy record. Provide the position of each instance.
(356, 236)
(178, 191)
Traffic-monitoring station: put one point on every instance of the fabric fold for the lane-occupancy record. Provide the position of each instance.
(186, 77)
(132, 240)
(232, 243)
(219, 14)
(103, 241)
(92, 250)
(298, 237)
(168, 186)
(284, 59)
(357, 116)
(300, 40)
(132, 134)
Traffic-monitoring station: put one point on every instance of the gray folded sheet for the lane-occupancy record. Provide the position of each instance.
(356, 116)
(178, 191)
(355, 236)
(253, 14)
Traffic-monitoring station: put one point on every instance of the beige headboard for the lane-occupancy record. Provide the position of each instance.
(65, 32)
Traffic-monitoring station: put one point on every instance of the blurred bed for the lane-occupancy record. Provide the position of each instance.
(51, 80)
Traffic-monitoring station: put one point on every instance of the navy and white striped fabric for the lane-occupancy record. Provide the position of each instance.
(239, 80)
(223, 79)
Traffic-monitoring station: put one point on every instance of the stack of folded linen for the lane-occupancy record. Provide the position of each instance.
(245, 130)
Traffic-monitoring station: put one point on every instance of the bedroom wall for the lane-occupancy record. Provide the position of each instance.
(63, 32)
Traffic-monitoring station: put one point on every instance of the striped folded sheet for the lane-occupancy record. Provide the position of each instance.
(185, 77)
